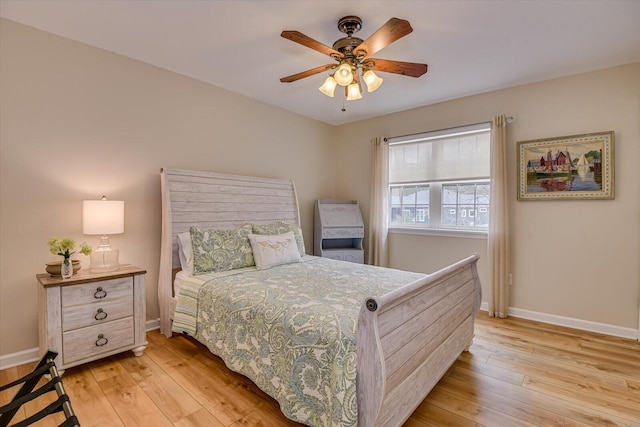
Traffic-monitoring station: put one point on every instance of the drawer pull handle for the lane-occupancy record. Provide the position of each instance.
(100, 293)
(100, 315)
(101, 341)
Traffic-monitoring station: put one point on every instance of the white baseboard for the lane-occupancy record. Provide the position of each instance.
(583, 325)
(19, 358)
(31, 355)
(153, 324)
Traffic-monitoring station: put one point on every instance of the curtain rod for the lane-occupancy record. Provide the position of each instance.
(386, 139)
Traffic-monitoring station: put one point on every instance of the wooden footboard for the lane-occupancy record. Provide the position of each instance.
(409, 338)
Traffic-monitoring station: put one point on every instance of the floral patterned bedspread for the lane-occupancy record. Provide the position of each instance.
(292, 330)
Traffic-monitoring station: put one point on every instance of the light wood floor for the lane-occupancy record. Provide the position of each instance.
(518, 373)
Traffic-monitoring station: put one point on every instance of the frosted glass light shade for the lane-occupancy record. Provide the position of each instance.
(372, 80)
(343, 74)
(353, 92)
(329, 86)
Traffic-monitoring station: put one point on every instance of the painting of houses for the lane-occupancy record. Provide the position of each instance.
(577, 167)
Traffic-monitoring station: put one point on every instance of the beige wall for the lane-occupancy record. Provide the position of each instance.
(78, 122)
(578, 259)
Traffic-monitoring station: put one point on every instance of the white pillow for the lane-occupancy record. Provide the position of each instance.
(271, 250)
(185, 252)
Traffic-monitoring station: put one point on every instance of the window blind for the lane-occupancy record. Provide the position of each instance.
(446, 155)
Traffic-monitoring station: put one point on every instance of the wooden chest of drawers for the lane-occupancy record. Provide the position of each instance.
(92, 315)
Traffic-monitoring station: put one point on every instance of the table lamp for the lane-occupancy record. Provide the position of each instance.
(103, 217)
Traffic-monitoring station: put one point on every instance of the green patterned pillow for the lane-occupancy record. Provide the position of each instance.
(221, 250)
(281, 228)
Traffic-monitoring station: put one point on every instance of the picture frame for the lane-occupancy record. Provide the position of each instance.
(574, 167)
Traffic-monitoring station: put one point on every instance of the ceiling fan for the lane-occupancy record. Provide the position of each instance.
(353, 57)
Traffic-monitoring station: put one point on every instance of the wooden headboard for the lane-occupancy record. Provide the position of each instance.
(214, 200)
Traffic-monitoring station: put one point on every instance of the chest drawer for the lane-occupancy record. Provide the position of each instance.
(80, 316)
(354, 256)
(94, 340)
(98, 292)
(340, 233)
(339, 255)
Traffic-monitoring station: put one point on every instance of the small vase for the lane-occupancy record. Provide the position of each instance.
(66, 269)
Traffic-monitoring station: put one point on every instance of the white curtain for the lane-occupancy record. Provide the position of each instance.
(379, 204)
(498, 245)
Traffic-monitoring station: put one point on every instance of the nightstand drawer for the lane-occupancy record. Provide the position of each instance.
(98, 292)
(80, 316)
(94, 340)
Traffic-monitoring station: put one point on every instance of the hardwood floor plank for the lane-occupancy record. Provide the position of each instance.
(264, 419)
(174, 402)
(633, 386)
(518, 373)
(611, 352)
(430, 415)
(88, 401)
(624, 370)
(442, 397)
(225, 401)
(504, 404)
(168, 356)
(7, 376)
(566, 334)
(34, 406)
(469, 362)
(557, 404)
(576, 392)
(131, 403)
(200, 418)
(493, 345)
(542, 366)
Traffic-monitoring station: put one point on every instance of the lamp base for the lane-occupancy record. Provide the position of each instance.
(103, 260)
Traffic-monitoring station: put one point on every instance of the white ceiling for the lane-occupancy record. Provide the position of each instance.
(471, 46)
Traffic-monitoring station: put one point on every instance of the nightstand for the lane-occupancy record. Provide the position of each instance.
(92, 315)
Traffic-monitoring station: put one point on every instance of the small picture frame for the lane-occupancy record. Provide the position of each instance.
(574, 167)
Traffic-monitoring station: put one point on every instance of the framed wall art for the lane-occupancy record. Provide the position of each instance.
(577, 167)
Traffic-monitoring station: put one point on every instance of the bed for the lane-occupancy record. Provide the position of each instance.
(407, 328)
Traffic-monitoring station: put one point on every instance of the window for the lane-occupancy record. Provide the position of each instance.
(440, 180)
(410, 204)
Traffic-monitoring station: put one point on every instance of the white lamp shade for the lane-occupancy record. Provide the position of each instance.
(102, 216)
(353, 92)
(343, 74)
(329, 86)
(372, 80)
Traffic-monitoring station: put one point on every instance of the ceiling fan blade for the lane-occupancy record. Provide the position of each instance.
(393, 30)
(410, 69)
(298, 37)
(307, 73)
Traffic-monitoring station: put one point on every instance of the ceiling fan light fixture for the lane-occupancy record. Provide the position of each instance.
(352, 56)
(372, 80)
(343, 75)
(329, 86)
(353, 92)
